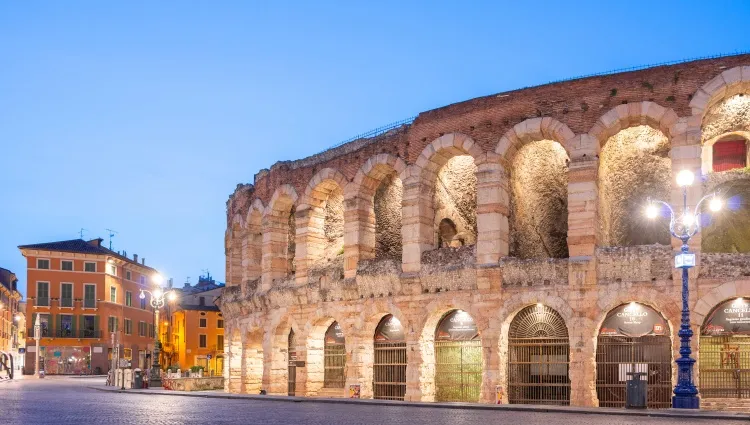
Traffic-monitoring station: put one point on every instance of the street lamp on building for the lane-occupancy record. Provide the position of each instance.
(683, 228)
(37, 337)
(158, 300)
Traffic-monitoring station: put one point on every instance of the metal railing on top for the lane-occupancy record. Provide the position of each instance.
(372, 133)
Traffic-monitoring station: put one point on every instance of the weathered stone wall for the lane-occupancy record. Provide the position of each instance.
(634, 166)
(645, 263)
(539, 201)
(456, 198)
(728, 230)
(733, 114)
(387, 208)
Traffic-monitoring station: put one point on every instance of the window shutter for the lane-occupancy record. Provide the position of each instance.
(73, 325)
(96, 325)
(33, 322)
(51, 326)
(59, 325)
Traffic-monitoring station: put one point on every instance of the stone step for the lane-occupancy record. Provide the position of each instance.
(726, 404)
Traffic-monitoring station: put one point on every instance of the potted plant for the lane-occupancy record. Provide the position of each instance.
(196, 371)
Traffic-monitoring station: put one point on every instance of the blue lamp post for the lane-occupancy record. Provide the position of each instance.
(685, 392)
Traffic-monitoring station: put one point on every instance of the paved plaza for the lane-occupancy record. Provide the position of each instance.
(63, 401)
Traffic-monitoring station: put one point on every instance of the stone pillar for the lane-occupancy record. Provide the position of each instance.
(417, 220)
(275, 244)
(583, 213)
(359, 232)
(493, 206)
(582, 367)
(490, 366)
(310, 238)
(419, 387)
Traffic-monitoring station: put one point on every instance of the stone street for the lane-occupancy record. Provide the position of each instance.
(63, 401)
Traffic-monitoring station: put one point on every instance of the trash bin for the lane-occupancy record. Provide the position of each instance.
(137, 378)
(636, 390)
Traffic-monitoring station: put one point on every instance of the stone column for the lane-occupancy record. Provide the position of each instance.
(490, 366)
(417, 220)
(583, 211)
(582, 367)
(493, 206)
(310, 239)
(275, 244)
(359, 233)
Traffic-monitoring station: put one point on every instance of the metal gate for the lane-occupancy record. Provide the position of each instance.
(389, 367)
(334, 358)
(538, 357)
(389, 374)
(618, 355)
(458, 370)
(724, 367)
(292, 364)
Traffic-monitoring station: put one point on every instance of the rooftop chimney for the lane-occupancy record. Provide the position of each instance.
(125, 253)
(169, 284)
(96, 242)
(143, 261)
(135, 257)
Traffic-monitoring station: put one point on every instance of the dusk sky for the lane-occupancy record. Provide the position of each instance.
(142, 117)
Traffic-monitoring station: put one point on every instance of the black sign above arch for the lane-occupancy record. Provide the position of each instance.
(334, 334)
(457, 325)
(634, 320)
(732, 317)
(390, 330)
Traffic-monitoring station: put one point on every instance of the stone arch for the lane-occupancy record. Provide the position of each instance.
(278, 235)
(320, 221)
(315, 344)
(236, 241)
(634, 164)
(277, 362)
(538, 188)
(532, 130)
(723, 292)
(729, 83)
(419, 214)
(634, 114)
(424, 347)
(252, 248)
(252, 362)
(373, 211)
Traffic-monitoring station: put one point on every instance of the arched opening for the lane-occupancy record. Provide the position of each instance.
(634, 165)
(724, 362)
(455, 199)
(447, 234)
(291, 241)
(279, 236)
(728, 230)
(253, 245)
(237, 239)
(389, 366)
(458, 358)
(634, 338)
(539, 201)
(729, 153)
(387, 208)
(292, 363)
(538, 357)
(334, 357)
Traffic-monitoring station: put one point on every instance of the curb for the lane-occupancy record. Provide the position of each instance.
(505, 407)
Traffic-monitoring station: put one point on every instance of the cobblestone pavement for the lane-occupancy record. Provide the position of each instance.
(67, 401)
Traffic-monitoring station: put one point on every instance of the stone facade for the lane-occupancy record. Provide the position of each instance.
(284, 275)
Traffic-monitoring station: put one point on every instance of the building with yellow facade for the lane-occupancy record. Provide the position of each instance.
(9, 307)
(192, 333)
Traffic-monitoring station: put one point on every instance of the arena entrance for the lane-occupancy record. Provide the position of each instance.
(458, 358)
(634, 338)
(725, 351)
(334, 357)
(538, 357)
(292, 364)
(389, 368)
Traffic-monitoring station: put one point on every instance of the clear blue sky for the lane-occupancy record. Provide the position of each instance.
(143, 116)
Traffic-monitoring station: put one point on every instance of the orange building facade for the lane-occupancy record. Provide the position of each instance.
(10, 300)
(87, 299)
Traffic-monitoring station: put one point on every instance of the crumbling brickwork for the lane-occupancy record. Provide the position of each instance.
(546, 184)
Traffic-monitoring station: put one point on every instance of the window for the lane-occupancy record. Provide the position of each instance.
(142, 280)
(219, 342)
(202, 342)
(66, 295)
(202, 322)
(112, 269)
(44, 322)
(90, 327)
(89, 267)
(143, 303)
(127, 275)
(128, 298)
(127, 353)
(66, 265)
(151, 330)
(89, 296)
(128, 326)
(220, 324)
(142, 328)
(112, 324)
(729, 154)
(42, 264)
(66, 326)
(201, 300)
(42, 294)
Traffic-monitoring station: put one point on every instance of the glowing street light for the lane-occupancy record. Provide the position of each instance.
(685, 392)
(158, 300)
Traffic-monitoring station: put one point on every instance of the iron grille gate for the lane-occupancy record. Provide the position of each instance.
(334, 359)
(538, 358)
(458, 370)
(389, 374)
(292, 365)
(724, 367)
(618, 355)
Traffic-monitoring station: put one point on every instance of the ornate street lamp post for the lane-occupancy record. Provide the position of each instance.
(158, 300)
(37, 337)
(685, 392)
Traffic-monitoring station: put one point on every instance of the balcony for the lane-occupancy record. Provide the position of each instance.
(41, 301)
(67, 333)
(89, 303)
(66, 302)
